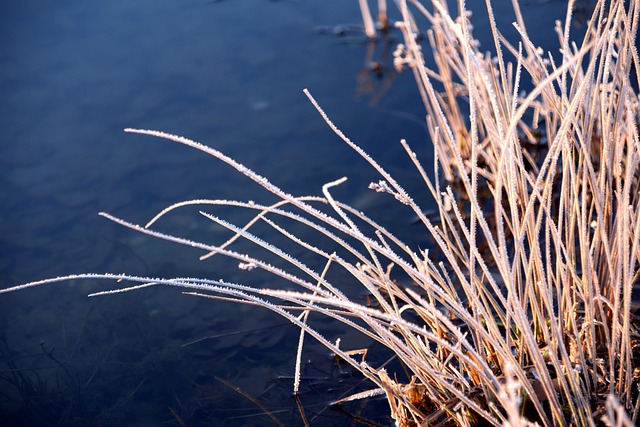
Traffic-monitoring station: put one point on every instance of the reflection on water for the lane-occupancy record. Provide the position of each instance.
(229, 74)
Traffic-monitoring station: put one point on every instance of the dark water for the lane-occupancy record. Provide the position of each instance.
(230, 74)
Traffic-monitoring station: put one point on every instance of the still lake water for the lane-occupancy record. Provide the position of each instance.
(230, 74)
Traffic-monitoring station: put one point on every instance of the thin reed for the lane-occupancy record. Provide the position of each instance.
(526, 316)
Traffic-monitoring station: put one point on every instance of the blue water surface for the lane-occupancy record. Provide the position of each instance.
(229, 74)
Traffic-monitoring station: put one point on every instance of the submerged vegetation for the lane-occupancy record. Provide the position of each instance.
(525, 316)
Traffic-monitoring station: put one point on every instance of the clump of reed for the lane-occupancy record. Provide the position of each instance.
(526, 316)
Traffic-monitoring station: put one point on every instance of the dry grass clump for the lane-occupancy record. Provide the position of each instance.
(526, 318)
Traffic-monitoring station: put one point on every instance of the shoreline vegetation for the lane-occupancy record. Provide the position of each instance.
(525, 315)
